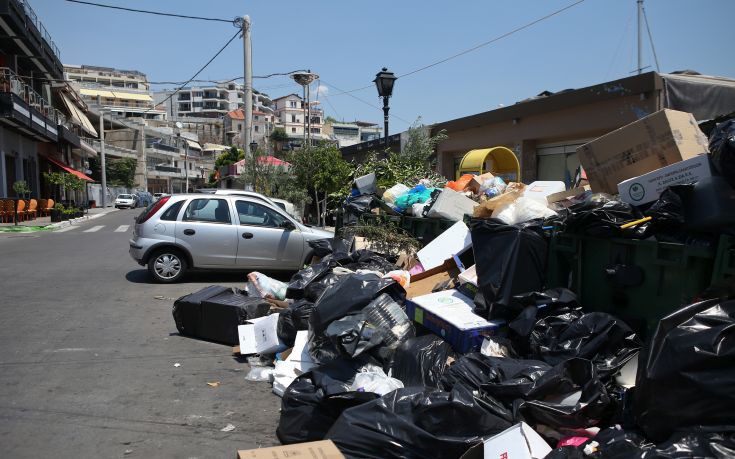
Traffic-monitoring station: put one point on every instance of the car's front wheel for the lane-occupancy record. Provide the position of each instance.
(167, 266)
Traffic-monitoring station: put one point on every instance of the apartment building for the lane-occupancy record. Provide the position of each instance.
(212, 101)
(262, 126)
(125, 93)
(42, 117)
(347, 134)
(290, 112)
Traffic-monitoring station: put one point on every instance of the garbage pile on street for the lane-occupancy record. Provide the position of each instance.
(541, 322)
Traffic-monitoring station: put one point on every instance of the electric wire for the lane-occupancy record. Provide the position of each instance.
(365, 102)
(230, 80)
(650, 39)
(474, 48)
(620, 45)
(157, 13)
(198, 72)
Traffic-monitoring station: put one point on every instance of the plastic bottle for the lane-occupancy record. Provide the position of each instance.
(386, 315)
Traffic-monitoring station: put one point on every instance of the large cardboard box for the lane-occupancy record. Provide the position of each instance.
(435, 278)
(455, 240)
(658, 140)
(260, 336)
(324, 449)
(451, 205)
(449, 314)
(648, 187)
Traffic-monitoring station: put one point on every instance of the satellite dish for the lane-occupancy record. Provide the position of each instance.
(179, 125)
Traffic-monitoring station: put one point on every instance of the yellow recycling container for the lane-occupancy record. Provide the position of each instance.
(497, 160)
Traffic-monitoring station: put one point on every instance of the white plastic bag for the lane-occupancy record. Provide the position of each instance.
(522, 210)
(391, 194)
(375, 381)
(267, 286)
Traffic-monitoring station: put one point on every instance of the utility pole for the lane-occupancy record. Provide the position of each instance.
(248, 87)
(186, 164)
(640, 36)
(102, 159)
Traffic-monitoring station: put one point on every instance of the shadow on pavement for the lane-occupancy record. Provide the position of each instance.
(141, 276)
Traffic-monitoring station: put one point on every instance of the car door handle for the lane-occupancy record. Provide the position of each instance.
(247, 235)
(189, 232)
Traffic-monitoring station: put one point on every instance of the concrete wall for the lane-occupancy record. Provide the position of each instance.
(14, 145)
(522, 135)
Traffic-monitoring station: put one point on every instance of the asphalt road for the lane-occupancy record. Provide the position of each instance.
(88, 352)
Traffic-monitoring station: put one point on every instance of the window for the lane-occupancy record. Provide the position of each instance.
(176, 164)
(172, 212)
(256, 117)
(239, 127)
(316, 130)
(189, 166)
(254, 214)
(292, 103)
(198, 104)
(207, 210)
(293, 118)
(293, 129)
(256, 128)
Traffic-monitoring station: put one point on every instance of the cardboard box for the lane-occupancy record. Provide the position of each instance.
(449, 315)
(663, 138)
(540, 190)
(570, 193)
(425, 282)
(469, 276)
(324, 449)
(453, 241)
(451, 205)
(517, 442)
(260, 336)
(648, 187)
(477, 180)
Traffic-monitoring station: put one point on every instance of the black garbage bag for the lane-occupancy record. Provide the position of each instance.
(315, 289)
(421, 361)
(570, 395)
(312, 403)
(301, 311)
(722, 150)
(526, 309)
(602, 218)
(668, 214)
(684, 445)
(355, 206)
(304, 278)
(286, 328)
(510, 259)
(605, 340)
(321, 247)
(685, 376)
(616, 443)
(366, 259)
(415, 423)
(348, 296)
(352, 336)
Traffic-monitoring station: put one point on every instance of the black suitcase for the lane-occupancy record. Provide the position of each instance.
(213, 313)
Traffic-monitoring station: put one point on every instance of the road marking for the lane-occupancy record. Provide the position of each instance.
(94, 228)
(122, 228)
(68, 228)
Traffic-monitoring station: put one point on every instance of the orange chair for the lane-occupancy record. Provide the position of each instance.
(42, 205)
(6, 210)
(20, 212)
(46, 210)
(32, 211)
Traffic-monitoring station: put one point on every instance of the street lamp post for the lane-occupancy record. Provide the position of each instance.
(103, 165)
(384, 81)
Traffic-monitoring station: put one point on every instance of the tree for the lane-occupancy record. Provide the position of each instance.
(322, 171)
(21, 188)
(416, 160)
(121, 172)
(330, 120)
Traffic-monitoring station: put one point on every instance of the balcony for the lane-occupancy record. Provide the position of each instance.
(111, 149)
(162, 170)
(25, 35)
(27, 110)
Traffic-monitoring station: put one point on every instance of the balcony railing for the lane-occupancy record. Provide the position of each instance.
(33, 19)
(11, 82)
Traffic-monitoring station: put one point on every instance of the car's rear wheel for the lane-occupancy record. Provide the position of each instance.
(167, 266)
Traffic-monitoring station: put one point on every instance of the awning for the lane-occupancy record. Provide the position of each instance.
(193, 145)
(215, 147)
(132, 96)
(78, 116)
(95, 93)
(70, 170)
(88, 147)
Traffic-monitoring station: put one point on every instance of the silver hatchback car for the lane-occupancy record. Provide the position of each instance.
(196, 231)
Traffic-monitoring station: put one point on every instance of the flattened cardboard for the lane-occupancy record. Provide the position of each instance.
(556, 197)
(425, 282)
(477, 181)
(648, 187)
(517, 442)
(324, 449)
(655, 141)
(455, 240)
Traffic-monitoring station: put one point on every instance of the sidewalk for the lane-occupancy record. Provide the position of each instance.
(44, 223)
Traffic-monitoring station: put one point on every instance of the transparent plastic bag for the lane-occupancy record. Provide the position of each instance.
(376, 382)
(387, 315)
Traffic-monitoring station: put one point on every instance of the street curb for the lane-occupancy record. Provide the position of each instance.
(66, 223)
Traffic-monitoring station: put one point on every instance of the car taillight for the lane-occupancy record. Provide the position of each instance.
(153, 209)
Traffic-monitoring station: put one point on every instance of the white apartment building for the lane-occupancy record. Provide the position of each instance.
(212, 101)
(263, 124)
(125, 93)
(289, 114)
(347, 134)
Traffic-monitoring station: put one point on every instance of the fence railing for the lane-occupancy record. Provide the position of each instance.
(11, 82)
(33, 19)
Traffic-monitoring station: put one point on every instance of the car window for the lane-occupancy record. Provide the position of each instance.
(281, 205)
(251, 213)
(172, 212)
(207, 210)
(124, 196)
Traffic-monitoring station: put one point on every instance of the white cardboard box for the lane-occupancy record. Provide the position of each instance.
(517, 442)
(540, 190)
(453, 307)
(451, 205)
(453, 241)
(469, 275)
(648, 187)
(260, 336)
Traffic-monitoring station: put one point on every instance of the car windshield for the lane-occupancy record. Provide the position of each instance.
(124, 196)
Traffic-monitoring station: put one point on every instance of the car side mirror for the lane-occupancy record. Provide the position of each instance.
(288, 225)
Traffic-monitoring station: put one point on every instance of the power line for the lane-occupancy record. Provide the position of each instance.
(198, 72)
(469, 50)
(364, 102)
(230, 80)
(157, 13)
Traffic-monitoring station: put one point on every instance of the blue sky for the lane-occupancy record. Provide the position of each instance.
(347, 42)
